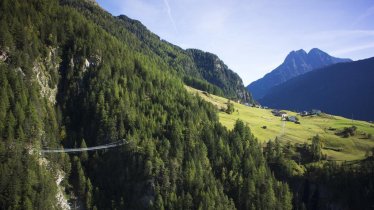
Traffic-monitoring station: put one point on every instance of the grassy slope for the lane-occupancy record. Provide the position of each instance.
(353, 147)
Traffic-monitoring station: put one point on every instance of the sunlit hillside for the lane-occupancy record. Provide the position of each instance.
(326, 126)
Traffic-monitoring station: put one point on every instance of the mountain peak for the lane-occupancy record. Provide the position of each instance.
(316, 51)
(296, 63)
(329, 89)
(301, 51)
(293, 54)
(297, 52)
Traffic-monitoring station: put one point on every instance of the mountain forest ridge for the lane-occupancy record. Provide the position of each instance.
(73, 76)
(199, 69)
(296, 63)
(205, 71)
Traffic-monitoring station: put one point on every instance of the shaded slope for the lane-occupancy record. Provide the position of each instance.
(296, 63)
(216, 72)
(195, 66)
(173, 58)
(345, 89)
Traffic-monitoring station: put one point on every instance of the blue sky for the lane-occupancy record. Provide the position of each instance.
(254, 36)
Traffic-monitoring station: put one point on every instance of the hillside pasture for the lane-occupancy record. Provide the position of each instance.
(265, 126)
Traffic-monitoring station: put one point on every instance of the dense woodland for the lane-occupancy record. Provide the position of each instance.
(68, 82)
(320, 184)
(71, 77)
(199, 69)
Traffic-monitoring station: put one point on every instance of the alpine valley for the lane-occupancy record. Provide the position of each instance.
(98, 112)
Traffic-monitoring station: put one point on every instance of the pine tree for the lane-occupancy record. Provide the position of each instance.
(88, 195)
(316, 148)
(84, 154)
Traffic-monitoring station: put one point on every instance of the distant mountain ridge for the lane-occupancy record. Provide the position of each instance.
(345, 89)
(296, 63)
(202, 70)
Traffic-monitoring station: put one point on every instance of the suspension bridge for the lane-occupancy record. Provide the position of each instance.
(72, 150)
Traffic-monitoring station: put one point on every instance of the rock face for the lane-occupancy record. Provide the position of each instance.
(3, 55)
(216, 72)
(93, 2)
(44, 69)
(296, 63)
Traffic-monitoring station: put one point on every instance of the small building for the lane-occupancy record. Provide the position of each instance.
(309, 113)
(316, 112)
(292, 119)
(284, 117)
(304, 113)
(282, 112)
(275, 112)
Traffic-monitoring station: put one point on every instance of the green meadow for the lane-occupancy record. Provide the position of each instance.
(326, 126)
